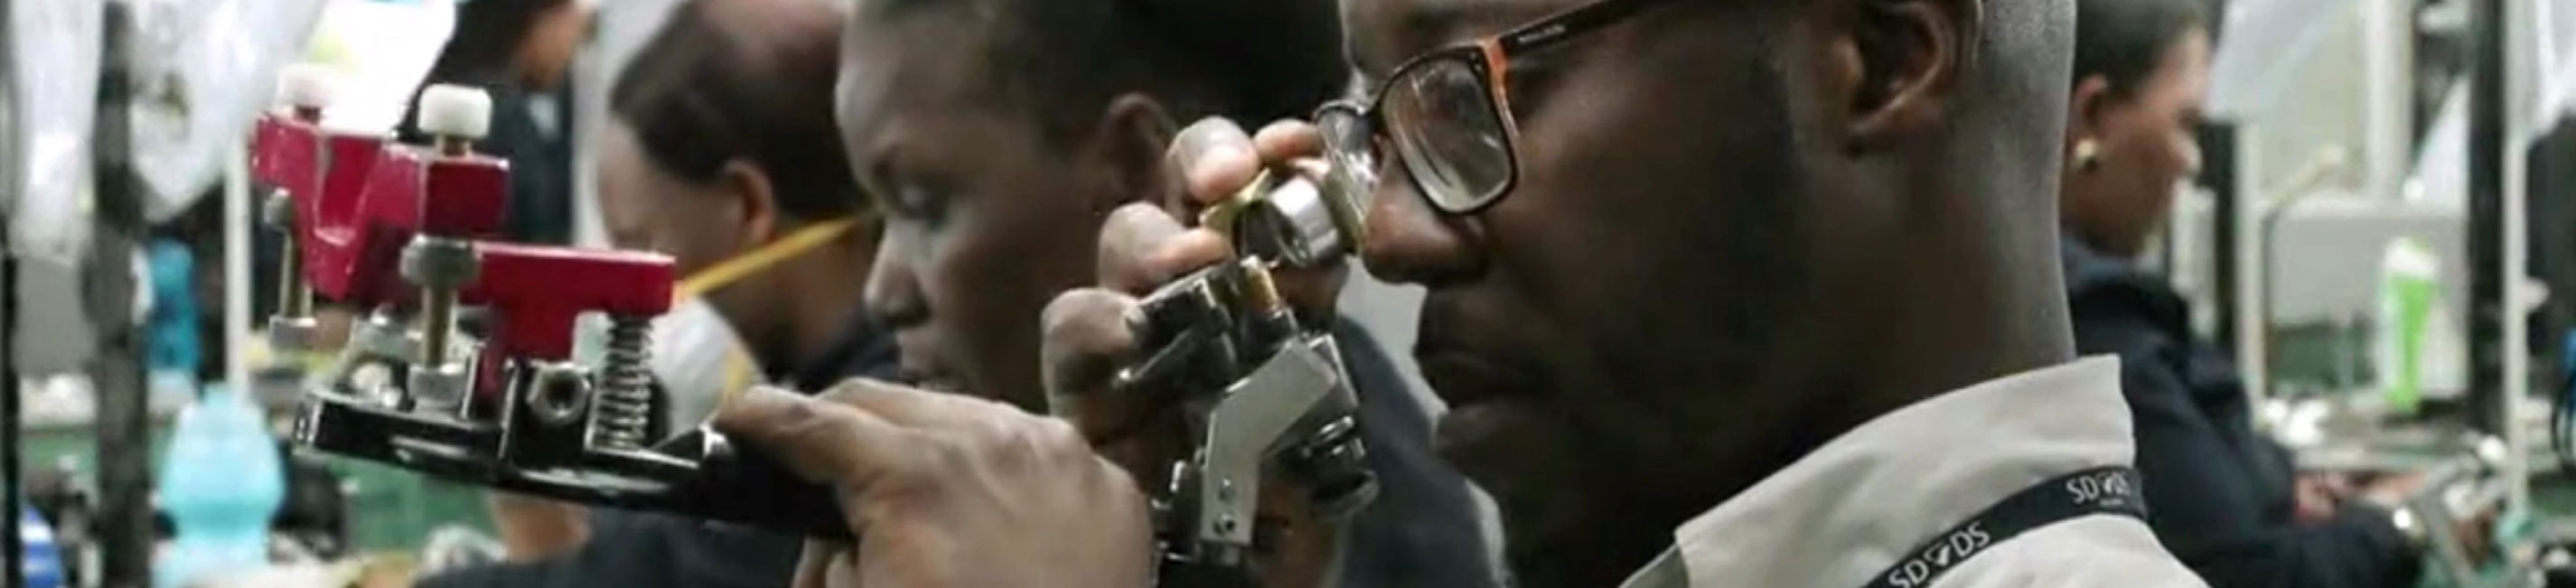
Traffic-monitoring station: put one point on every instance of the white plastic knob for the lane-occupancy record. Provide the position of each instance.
(455, 111)
(306, 86)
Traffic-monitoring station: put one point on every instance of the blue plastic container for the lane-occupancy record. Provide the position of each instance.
(221, 483)
(44, 560)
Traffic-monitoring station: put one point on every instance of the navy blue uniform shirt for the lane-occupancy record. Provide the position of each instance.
(2220, 495)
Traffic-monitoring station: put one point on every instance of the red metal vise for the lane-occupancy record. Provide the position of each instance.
(351, 202)
(357, 199)
(406, 234)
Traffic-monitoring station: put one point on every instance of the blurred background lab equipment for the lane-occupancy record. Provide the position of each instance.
(2385, 233)
(127, 284)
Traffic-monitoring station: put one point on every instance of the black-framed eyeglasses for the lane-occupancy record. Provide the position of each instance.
(1446, 114)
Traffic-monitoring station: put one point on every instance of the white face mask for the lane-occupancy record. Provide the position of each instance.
(696, 354)
(699, 361)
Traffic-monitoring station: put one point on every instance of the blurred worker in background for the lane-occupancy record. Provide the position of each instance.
(2227, 500)
(1001, 133)
(520, 52)
(721, 153)
(1720, 294)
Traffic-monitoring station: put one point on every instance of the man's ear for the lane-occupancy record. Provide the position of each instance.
(2084, 106)
(747, 187)
(1913, 54)
(1128, 148)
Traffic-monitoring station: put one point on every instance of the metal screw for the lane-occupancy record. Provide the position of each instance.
(292, 328)
(295, 298)
(452, 146)
(440, 266)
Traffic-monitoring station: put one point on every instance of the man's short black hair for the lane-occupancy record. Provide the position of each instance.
(2124, 40)
(748, 80)
(1249, 60)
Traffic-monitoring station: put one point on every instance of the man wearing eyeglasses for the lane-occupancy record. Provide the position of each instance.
(1745, 293)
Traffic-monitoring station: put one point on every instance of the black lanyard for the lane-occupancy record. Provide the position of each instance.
(2099, 491)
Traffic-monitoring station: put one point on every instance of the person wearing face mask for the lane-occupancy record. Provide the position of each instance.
(721, 153)
(2228, 500)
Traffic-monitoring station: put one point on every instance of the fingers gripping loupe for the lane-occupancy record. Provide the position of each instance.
(1262, 390)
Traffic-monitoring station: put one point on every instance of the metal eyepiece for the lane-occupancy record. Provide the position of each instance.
(1299, 220)
(1289, 219)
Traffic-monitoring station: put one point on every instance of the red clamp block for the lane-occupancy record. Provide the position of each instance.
(357, 254)
(287, 152)
(325, 174)
(535, 293)
(468, 196)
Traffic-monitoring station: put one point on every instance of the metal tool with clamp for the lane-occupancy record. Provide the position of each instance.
(1263, 391)
(406, 234)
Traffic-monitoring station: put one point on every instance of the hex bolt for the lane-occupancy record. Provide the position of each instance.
(558, 394)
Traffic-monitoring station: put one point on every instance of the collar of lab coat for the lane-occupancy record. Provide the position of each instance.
(1848, 510)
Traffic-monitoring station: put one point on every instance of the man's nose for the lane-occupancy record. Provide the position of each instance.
(893, 290)
(1409, 242)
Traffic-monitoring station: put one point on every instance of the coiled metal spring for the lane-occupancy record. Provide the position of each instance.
(624, 409)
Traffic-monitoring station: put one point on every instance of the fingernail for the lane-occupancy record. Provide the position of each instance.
(1208, 137)
(1224, 153)
(751, 401)
(1219, 169)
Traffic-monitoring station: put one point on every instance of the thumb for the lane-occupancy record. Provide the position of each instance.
(1086, 339)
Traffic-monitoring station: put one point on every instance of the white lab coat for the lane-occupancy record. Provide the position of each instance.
(1846, 513)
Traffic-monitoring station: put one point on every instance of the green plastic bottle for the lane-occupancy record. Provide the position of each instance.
(2409, 284)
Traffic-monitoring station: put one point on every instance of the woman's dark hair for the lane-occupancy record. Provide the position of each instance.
(2124, 40)
(748, 80)
(488, 36)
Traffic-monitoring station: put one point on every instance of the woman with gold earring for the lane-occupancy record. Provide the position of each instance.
(2225, 499)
